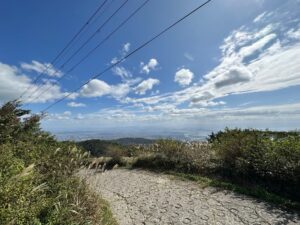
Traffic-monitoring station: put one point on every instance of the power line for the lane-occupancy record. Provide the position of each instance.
(93, 35)
(66, 47)
(81, 29)
(86, 42)
(96, 47)
(107, 6)
(128, 55)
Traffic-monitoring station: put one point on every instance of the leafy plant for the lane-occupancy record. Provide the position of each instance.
(37, 182)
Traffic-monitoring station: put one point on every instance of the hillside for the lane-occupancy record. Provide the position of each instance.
(37, 182)
(133, 141)
(120, 146)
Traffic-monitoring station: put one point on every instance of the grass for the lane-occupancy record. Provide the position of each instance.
(107, 217)
(227, 160)
(256, 191)
(37, 176)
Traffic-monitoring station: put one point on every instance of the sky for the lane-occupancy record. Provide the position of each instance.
(231, 64)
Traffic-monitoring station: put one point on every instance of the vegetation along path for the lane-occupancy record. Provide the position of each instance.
(141, 197)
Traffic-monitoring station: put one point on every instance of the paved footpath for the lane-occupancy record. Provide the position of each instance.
(144, 198)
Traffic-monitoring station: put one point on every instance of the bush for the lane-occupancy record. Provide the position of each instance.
(263, 160)
(37, 185)
(98, 148)
(190, 157)
(268, 159)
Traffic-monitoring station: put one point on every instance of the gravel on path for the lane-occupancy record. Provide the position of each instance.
(140, 197)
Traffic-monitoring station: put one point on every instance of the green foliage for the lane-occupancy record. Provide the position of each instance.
(267, 162)
(190, 157)
(270, 159)
(254, 191)
(99, 148)
(37, 185)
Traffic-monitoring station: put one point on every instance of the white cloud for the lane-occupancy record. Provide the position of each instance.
(294, 34)
(114, 60)
(151, 65)
(258, 45)
(44, 68)
(76, 104)
(98, 88)
(259, 17)
(126, 47)
(60, 116)
(122, 72)
(262, 116)
(274, 64)
(145, 86)
(263, 17)
(184, 77)
(206, 103)
(119, 91)
(13, 83)
(189, 56)
(264, 31)
(95, 88)
(233, 75)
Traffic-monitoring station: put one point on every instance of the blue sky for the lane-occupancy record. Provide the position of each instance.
(233, 63)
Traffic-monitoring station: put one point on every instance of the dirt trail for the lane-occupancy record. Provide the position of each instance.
(140, 197)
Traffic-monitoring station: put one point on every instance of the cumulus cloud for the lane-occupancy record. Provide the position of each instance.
(60, 116)
(43, 68)
(254, 58)
(119, 91)
(98, 88)
(151, 65)
(274, 64)
(95, 88)
(145, 86)
(184, 77)
(234, 75)
(13, 83)
(205, 96)
(76, 104)
(192, 116)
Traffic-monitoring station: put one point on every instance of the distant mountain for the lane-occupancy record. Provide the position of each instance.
(99, 147)
(133, 141)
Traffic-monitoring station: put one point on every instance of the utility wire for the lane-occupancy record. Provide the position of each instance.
(108, 5)
(85, 43)
(65, 48)
(96, 47)
(93, 35)
(128, 55)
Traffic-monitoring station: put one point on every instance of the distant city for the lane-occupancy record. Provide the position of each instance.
(86, 135)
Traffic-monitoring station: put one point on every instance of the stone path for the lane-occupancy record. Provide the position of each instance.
(144, 198)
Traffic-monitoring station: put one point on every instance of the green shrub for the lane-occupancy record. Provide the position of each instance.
(98, 148)
(37, 185)
(265, 160)
(190, 157)
(272, 160)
